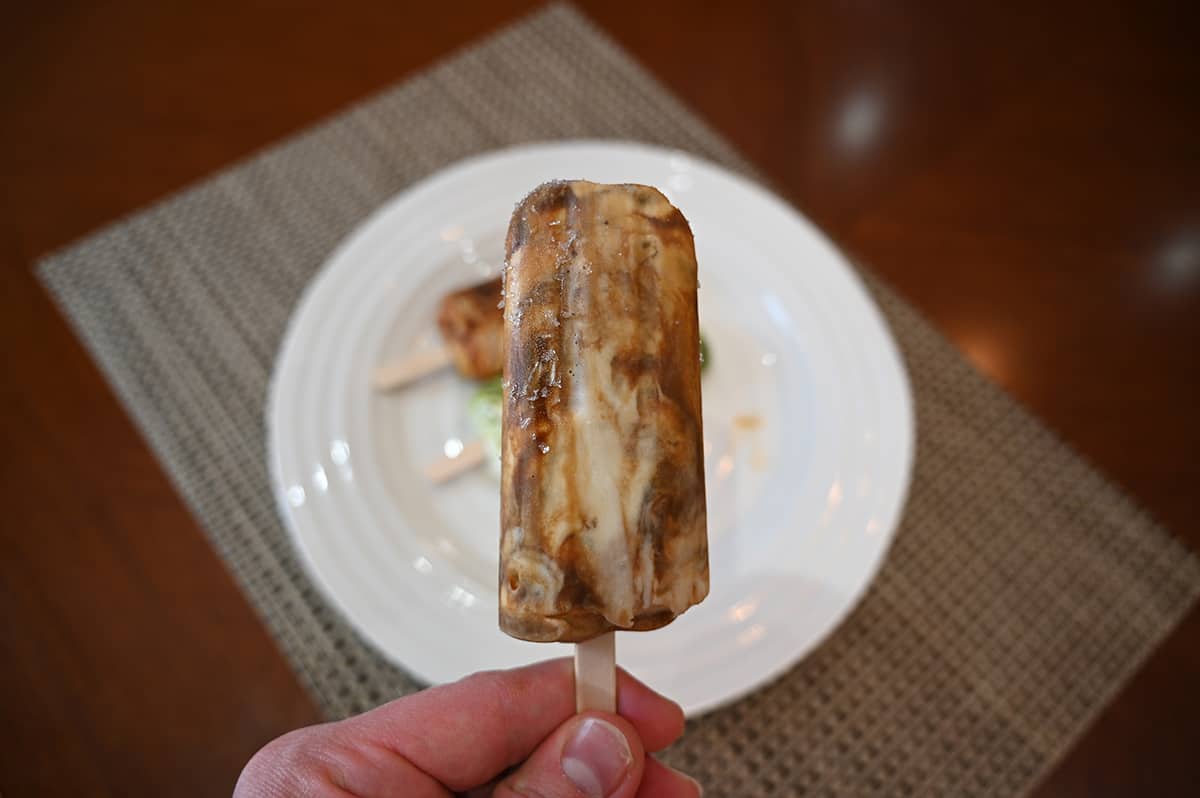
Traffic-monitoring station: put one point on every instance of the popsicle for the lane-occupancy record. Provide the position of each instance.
(472, 329)
(602, 474)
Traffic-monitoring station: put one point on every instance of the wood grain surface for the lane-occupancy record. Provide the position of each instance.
(1026, 174)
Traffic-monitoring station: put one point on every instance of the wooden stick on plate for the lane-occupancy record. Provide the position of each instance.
(391, 376)
(447, 468)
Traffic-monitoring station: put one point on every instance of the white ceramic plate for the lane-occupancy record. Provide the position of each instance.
(807, 416)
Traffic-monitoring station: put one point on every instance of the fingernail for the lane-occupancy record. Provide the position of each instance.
(596, 758)
(699, 786)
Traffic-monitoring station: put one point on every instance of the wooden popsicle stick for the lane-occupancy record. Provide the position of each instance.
(390, 376)
(596, 674)
(447, 468)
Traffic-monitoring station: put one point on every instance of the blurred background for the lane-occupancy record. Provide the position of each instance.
(1024, 173)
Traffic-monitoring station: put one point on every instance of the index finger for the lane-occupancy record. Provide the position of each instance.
(464, 734)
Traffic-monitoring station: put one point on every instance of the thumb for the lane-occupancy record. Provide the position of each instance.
(595, 755)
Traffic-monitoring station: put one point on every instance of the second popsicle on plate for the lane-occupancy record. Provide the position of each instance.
(472, 335)
(603, 522)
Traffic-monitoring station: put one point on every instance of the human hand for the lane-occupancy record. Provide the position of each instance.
(465, 738)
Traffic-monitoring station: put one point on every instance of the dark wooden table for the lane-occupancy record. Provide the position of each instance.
(1028, 176)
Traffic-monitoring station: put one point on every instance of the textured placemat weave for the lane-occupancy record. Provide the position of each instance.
(1022, 589)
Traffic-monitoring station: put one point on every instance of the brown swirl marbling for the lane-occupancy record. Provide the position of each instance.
(602, 508)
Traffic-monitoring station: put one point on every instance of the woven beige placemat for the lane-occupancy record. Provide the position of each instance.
(1022, 589)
